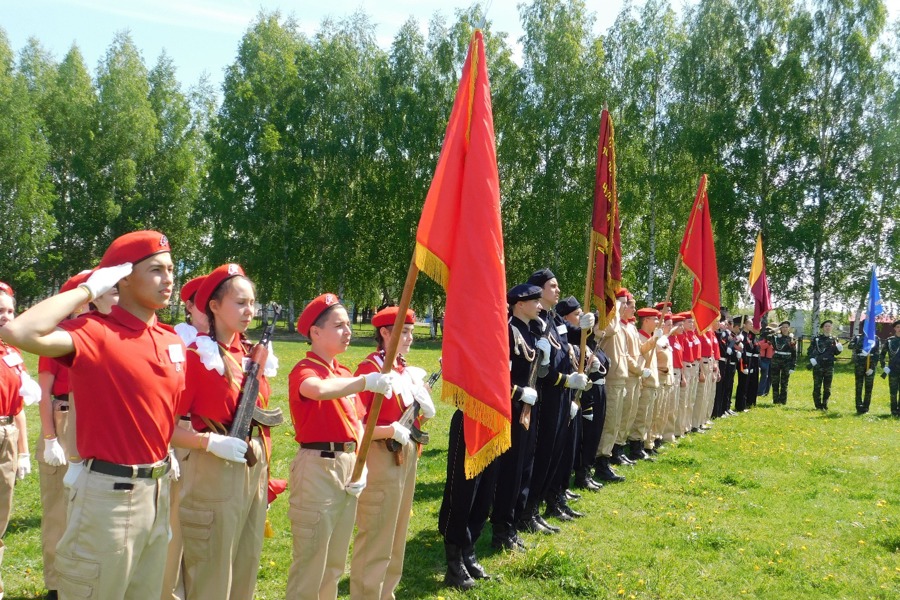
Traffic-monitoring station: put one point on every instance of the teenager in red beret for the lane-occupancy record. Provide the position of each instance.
(385, 506)
(127, 372)
(15, 386)
(223, 505)
(328, 416)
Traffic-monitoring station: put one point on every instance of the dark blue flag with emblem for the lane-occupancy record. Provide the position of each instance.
(875, 308)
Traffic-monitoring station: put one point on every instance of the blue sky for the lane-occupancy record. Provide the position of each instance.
(203, 35)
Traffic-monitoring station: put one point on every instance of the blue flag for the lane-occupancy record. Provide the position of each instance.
(873, 311)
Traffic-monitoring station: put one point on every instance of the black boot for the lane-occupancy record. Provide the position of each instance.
(472, 565)
(457, 576)
(618, 456)
(636, 450)
(605, 473)
(554, 509)
(530, 524)
(564, 506)
(541, 520)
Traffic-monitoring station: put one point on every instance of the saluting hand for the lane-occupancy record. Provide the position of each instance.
(103, 280)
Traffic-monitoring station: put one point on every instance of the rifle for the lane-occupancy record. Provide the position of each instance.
(247, 411)
(408, 420)
(525, 417)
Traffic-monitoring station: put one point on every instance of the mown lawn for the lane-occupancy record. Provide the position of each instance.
(780, 502)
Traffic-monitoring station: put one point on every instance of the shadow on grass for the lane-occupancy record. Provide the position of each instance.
(19, 524)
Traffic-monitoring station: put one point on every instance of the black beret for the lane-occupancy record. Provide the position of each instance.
(826, 322)
(737, 321)
(522, 292)
(567, 306)
(539, 278)
(783, 323)
(897, 322)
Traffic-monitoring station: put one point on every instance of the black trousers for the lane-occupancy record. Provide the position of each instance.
(552, 420)
(467, 502)
(586, 454)
(511, 474)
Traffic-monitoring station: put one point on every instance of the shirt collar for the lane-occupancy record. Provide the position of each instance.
(125, 318)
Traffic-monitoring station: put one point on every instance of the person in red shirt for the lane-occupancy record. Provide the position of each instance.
(14, 458)
(223, 506)
(385, 506)
(127, 373)
(327, 416)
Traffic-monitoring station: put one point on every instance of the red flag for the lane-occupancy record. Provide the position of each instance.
(459, 244)
(605, 224)
(698, 253)
(759, 284)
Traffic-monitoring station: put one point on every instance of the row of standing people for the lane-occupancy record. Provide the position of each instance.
(142, 392)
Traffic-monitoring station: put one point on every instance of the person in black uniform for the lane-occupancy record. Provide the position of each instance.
(751, 353)
(864, 360)
(890, 364)
(529, 353)
(822, 351)
(742, 365)
(554, 405)
(727, 367)
(784, 361)
(593, 412)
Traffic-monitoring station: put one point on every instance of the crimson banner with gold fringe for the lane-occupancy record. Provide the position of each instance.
(607, 246)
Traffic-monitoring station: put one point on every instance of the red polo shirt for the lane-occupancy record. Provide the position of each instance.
(12, 358)
(705, 346)
(128, 377)
(714, 342)
(10, 400)
(677, 351)
(60, 374)
(335, 420)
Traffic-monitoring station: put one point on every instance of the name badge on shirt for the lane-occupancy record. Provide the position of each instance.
(561, 329)
(176, 355)
(13, 360)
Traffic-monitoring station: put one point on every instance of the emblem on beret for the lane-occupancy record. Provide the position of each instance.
(330, 299)
(233, 269)
(163, 241)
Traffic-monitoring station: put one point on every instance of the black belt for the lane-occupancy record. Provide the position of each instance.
(61, 397)
(187, 418)
(61, 403)
(6, 420)
(330, 446)
(131, 471)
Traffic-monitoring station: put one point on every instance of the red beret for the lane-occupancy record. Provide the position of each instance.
(648, 312)
(276, 488)
(387, 316)
(5, 288)
(134, 247)
(313, 310)
(190, 288)
(212, 281)
(676, 318)
(661, 305)
(686, 315)
(76, 280)
(623, 293)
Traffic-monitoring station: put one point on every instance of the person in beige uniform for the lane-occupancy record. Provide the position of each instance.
(649, 334)
(636, 372)
(691, 352)
(664, 407)
(613, 343)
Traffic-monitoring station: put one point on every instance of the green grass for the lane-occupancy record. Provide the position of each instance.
(780, 502)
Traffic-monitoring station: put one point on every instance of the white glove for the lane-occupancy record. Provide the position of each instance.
(790, 372)
(645, 373)
(24, 465)
(227, 448)
(594, 366)
(588, 417)
(662, 342)
(813, 362)
(791, 335)
(745, 371)
(887, 370)
(543, 344)
(586, 321)
(30, 390)
(740, 337)
(577, 381)
(657, 333)
(54, 455)
(356, 488)
(175, 471)
(72, 473)
(870, 372)
(573, 410)
(839, 347)
(380, 384)
(737, 355)
(103, 280)
(271, 368)
(864, 353)
(728, 350)
(529, 396)
(426, 404)
(400, 434)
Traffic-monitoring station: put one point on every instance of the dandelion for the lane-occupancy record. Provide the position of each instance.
(862, 542)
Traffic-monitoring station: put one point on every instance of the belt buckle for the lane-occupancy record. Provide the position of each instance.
(158, 471)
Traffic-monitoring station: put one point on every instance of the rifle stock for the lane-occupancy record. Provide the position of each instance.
(525, 417)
